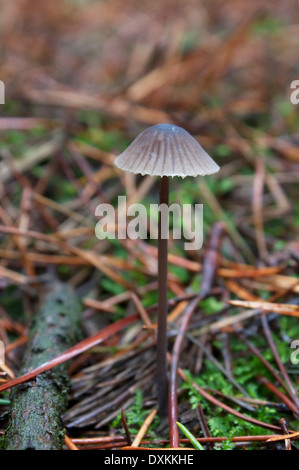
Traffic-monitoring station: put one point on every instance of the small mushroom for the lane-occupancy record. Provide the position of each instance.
(165, 150)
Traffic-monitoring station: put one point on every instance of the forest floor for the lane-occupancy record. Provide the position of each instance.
(81, 83)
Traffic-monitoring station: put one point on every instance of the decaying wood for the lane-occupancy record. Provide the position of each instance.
(37, 406)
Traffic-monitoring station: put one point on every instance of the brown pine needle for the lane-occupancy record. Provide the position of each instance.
(285, 436)
(141, 433)
(249, 271)
(156, 448)
(141, 310)
(8, 371)
(240, 291)
(70, 443)
(282, 309)
(126, 428)
(13, 276)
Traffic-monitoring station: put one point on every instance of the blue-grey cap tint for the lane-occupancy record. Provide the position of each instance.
(166, 150)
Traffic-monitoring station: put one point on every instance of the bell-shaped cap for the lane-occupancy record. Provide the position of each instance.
(166, 150)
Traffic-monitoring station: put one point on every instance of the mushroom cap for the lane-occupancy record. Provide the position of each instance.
(166, 150)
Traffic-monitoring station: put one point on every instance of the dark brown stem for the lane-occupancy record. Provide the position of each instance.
(204, 425)
(126, 428)
(162, 384)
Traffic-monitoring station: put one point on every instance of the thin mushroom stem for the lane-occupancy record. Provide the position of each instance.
(161, 150)
(162, 383)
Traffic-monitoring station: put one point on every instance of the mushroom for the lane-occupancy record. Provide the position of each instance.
(165, 150)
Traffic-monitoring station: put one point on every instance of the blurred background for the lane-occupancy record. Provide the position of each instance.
(82, 79)
(190, 61)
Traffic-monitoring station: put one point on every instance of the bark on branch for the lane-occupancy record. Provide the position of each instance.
(37, 406)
